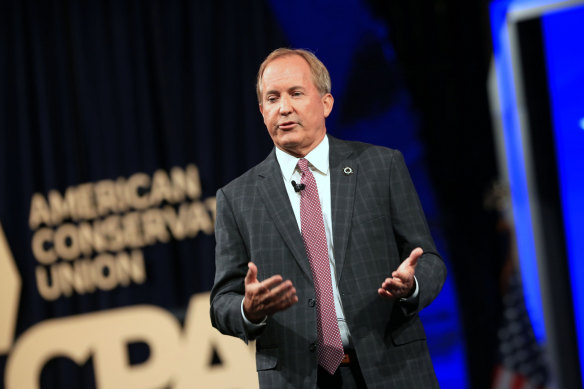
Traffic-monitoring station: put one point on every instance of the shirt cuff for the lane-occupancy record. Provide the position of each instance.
(409, 305)
(414, 295)
(253, 326)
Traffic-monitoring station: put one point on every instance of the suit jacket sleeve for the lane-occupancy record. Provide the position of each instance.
(231, 259)
(411, 231)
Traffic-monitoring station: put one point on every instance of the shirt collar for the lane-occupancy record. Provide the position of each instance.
(318, 158)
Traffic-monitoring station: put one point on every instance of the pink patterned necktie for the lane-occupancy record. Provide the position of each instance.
(330, 346)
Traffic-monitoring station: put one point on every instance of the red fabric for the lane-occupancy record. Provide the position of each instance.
(330, 346)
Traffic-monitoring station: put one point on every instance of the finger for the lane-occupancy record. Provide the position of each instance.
(282, 288)
(385, 293)
(393, 292)
(280, 296)
(278, 299)
(272, 282)
(289, 302)
(252, 274)
(396, 281)
(386, 283)
(407, 268)
(396, 288)
(414, 255)
(285, 300)
(392, 284)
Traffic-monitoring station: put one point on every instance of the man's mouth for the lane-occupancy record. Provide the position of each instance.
(287, 125)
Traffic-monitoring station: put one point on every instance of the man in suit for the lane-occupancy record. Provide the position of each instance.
(323, 253)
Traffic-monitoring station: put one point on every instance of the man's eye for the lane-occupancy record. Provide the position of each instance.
(271, 99)
(297, 94)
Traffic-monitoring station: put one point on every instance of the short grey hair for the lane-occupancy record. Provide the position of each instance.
(320, 74)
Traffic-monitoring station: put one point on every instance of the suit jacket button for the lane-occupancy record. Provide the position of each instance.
(311, 303)
(312, 347)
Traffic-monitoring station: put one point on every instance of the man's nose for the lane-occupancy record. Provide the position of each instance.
(285, 105)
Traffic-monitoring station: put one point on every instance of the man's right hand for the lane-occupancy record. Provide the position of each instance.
(266, 297)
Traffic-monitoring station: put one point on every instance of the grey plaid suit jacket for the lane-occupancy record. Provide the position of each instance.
(377, 221)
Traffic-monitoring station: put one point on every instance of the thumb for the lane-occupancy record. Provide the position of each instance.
(414, 255)
(252, 274)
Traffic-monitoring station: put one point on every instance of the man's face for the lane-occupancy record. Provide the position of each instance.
(294, 111)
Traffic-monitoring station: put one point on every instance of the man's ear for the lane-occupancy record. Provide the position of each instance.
(261, 109)
(327, 104)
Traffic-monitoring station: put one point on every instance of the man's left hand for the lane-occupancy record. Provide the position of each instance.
(401, 284)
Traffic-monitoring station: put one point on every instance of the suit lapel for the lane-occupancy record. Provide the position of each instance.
(275, 197)
(343, 185)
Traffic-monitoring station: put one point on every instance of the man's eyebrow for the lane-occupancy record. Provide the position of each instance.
(292, 88)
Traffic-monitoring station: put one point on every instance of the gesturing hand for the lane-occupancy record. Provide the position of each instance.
(401, 284)
(266, 297)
